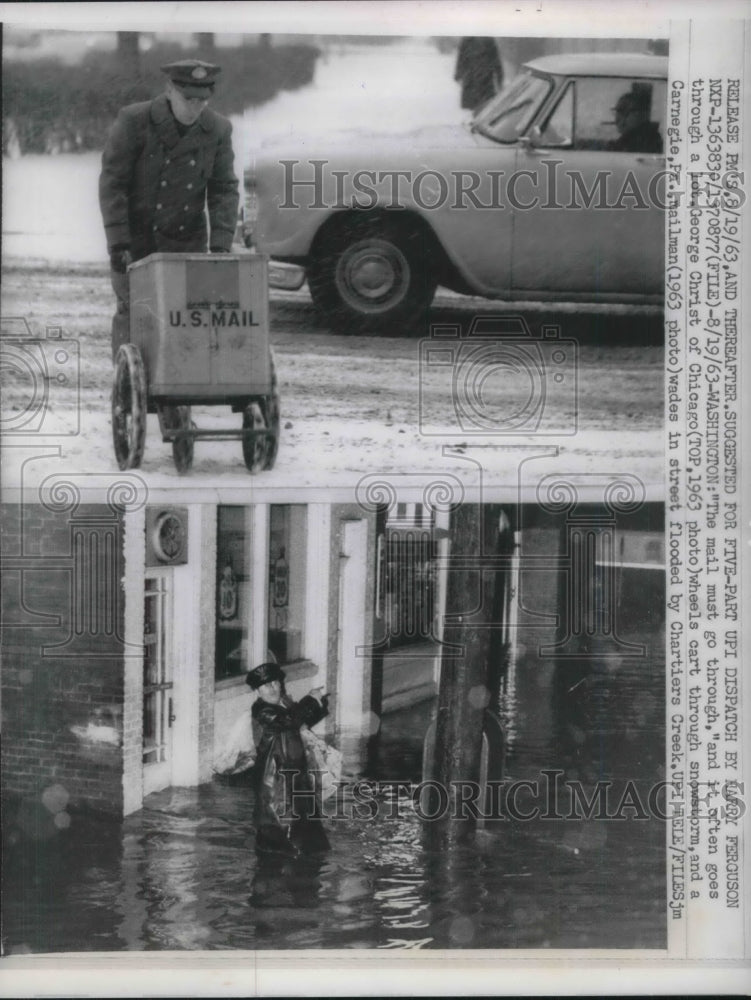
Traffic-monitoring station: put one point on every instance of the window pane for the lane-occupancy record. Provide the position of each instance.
(287, 570)
(559, 128)
(156, 677)
(232, 591)
(152, 635)
(150, 747)
(620, 114)
(409, 576)
(506, 117)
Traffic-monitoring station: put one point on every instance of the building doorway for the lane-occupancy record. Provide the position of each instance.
(158, 681)
(352, 654)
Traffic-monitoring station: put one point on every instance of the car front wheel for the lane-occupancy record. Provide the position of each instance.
(371, 275)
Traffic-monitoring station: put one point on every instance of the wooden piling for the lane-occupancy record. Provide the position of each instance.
(464, 689)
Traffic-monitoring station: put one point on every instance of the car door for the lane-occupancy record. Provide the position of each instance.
(595, 228)
(475, 223)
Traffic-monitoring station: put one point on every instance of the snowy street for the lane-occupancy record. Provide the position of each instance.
(350, 405)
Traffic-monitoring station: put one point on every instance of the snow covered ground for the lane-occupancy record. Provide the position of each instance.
(50, 206)
(350, 405)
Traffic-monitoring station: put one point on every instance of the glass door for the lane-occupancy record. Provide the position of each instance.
(158, 685)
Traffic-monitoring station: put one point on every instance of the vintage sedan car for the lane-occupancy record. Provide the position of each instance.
(553, 191)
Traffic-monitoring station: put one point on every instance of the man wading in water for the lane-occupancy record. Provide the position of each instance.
(288, 808)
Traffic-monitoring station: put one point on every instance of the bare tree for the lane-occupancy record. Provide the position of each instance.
(129, 53)
(205, 41)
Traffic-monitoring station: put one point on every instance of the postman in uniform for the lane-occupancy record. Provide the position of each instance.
(166, 161)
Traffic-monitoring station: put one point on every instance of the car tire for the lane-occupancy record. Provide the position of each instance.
(372, 275)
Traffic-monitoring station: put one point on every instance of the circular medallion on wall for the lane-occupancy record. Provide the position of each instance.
(169, 537)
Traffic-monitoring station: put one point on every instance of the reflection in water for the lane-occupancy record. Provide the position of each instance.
(183, 874)
(282, 891)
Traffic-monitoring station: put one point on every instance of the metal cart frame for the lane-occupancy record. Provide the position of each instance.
(198, 335)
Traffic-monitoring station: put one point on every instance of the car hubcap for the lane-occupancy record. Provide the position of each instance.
(372, 275)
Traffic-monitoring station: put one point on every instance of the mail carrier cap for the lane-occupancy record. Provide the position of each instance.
(192, 76)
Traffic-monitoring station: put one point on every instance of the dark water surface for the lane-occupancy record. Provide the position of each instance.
(182, 873)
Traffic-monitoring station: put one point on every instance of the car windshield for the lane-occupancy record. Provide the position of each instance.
(506, 116)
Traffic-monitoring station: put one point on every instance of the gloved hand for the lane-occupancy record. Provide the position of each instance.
(120, 257)
(218, 250)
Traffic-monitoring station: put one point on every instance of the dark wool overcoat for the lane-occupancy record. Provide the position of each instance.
(643, 138)
(155, 184)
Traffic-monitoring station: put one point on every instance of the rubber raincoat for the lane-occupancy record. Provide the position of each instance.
(288, 809)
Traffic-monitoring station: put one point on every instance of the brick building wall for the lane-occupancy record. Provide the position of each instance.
(62, 653)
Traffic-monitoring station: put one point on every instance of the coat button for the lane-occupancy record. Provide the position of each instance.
(164, 184)
(189, 186)
(186, 208)
(181, 228)
(159, 205)
(192, 163)
(166, 161)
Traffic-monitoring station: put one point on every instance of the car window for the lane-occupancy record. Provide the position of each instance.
(613, 113)
(558, 130)
(506, 117)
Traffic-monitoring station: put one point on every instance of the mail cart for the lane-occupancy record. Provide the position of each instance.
(199, 336)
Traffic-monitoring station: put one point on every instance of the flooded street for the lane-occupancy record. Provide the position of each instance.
(182, 873)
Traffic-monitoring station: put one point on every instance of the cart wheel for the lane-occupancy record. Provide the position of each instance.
(270, 410)
(254, 449)
(262, 414)
(178, 418)
(129, 400)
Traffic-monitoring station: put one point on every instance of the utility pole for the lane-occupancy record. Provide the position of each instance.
(464, 689)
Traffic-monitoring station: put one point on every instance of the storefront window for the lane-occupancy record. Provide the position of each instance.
(286, 592)
(406, 576)
(232, 591)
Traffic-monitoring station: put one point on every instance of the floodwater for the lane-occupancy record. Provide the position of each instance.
(182, 873)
